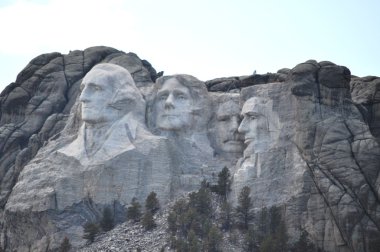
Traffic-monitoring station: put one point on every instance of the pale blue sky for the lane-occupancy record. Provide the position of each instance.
(204, 38)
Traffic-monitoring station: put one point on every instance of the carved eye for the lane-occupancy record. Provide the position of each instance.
(97, 88)
(223, 118)
(182, 97)
(162, 97)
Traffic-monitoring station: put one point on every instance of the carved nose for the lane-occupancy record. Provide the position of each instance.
(83, 96)
(242, 127)
(169, 102)
(235, 123)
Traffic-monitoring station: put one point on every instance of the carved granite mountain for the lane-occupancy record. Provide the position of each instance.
(310, 135)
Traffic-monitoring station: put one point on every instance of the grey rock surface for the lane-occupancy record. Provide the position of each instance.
(312, 148)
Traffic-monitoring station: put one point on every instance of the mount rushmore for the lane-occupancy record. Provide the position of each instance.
(99, 127)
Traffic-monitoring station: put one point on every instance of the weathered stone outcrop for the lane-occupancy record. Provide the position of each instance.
(38, 103)
(366, 95)
(311, 145)
(324, 166)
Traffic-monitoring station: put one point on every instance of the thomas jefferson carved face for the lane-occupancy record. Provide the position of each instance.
(227, 137)
(174, 106)
(108, 92)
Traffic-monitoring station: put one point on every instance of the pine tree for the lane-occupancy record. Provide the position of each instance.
(148, 221)
(250, 240)
(151, 203)
(65, 245)
(226, 215)
(304, 244)
(213, 240)
(134, 211)
(107, 222)
(244, 209)
(90, 231)
(224, 183)
(193, 242)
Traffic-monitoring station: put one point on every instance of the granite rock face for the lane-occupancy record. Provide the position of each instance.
(306, 139)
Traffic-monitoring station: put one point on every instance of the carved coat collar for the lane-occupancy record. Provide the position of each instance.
(120, 137)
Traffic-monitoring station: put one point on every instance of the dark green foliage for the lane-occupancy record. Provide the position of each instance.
(190, 220)
(303, 244)
(269, 244)
(172, 219)
(213, 240)
(224, 183)
(193, 242)
(151, 203)
(65, 245)
(148, 221)
(134, 211)
(226, 215)
(107, 221)
(201, 201)
(90, 231)
(277, 238)
(243, 210)
(250, 241)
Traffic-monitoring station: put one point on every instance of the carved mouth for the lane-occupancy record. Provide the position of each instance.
(170, 116)
(232, 141)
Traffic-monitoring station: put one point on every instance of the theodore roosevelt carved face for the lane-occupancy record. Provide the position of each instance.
(225, 124)
(179, 102)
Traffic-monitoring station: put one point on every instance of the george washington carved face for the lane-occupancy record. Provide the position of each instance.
(108, 93)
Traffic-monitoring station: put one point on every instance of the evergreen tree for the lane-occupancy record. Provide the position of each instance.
(269, 244)
(134, 211)
(226, 215)
(244, 209)
(278, 228)
(172, 222)
(90, 231)
(148, 221)
(201, 201)
(303, 244)
(151, 203)
(107, 221)
(213, 240)
(263, 223)
(193, 242)
(224, 183)
(65, 245)
(250, 240)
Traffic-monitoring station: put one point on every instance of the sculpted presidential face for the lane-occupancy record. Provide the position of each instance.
(256, 125)
(108, 92)
(227, 137)
(173, 106)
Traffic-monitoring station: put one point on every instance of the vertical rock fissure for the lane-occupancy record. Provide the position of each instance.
(312, 175)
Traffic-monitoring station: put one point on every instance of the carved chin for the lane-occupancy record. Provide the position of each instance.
(175, 123)
(233, 146)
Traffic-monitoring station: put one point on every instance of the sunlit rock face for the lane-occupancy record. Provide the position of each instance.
(112, 158)
(223, 127)
(321, 163)
(91, 129)
(180, 111)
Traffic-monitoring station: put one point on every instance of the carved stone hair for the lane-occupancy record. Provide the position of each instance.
(126, 96)
(198, 92)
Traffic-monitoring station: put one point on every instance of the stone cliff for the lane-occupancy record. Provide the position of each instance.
(305, 139)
